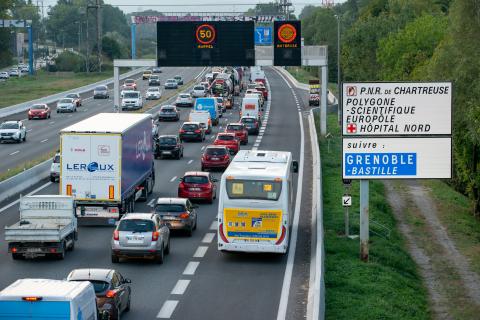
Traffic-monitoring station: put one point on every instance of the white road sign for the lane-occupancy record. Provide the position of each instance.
(403, 108)
(397, 158)
(347, 201)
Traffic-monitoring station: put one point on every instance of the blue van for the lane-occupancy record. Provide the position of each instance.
(210, 105)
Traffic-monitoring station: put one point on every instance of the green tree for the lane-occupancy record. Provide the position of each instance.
(270, 8)
(400, 53)
(5, 54)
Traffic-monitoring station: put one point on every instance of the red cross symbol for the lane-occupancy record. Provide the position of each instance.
(351, 128)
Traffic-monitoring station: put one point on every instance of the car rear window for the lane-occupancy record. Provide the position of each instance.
(65, 101)
(153, 77)
(216, 151)
(130, 95)
(169, 109)
(100, 89)
(153, 89)
(190, 127)
(225, 138)
(195, 179)
(184, 96)
(248, 120)
(234, 127)
(169, 207)
(136, 225)
(38, 107)
(168, 141)
(199, 88)
(100, 287)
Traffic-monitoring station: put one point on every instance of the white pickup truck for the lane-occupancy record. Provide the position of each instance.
(47, 226)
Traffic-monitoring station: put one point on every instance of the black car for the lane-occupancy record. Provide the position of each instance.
(168, 145)
(111, 288)
(191, 131)
(154, 80)
(179, 80)
(168, 113)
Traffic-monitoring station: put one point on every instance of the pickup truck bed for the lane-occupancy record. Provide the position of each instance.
(37, 230)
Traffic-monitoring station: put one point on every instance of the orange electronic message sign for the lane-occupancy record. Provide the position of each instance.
(287, 43)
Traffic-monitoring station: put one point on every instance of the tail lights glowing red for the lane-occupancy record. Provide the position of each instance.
(116, 235)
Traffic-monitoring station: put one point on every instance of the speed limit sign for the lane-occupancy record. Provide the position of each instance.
(205, 34)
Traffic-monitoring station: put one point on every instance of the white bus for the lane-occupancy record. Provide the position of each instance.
(255, 208)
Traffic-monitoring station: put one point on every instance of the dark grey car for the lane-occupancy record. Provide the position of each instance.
(168, 113)
(100, 92)
(178, 214)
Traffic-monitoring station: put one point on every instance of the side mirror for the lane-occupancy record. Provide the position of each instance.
(181, 179)
(295, 166)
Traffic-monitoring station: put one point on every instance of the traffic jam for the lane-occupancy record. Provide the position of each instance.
(108, 162)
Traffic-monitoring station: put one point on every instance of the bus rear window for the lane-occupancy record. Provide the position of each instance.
(254, 189)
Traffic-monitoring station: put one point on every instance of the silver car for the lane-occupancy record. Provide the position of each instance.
(66, 105)
(101, 92)
(141, 235)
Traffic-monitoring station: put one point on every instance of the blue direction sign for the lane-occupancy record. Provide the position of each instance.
(263, 35)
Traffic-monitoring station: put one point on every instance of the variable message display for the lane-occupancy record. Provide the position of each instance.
(287, 44)
(211, 43)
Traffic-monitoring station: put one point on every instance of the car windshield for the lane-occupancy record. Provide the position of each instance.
(199, 88)
(169, 207)
(168, 140)
(66, 101)
(130, 94)
(71, 95)
(171, 81)
(153, 77)
(153, 90)
(234, 127)
(195, 179)
(100, 89)
(254, 189)
(167, 110)
(136, 225)
(9, 126)
(184, 96)
(225, 138)
(38, 107)
(216, 151)
(190, 127)
(129, 82)
(100, 287)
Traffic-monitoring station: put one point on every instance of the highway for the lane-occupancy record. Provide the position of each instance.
(42, 135)
(196, 281)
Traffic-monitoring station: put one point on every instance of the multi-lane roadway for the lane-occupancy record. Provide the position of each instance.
(197, 281)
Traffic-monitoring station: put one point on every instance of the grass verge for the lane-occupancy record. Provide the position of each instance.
(26, 165)
(303, 75)
(388, 286)
(44, 83)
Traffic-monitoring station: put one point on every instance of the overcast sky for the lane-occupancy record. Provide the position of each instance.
(128, 6)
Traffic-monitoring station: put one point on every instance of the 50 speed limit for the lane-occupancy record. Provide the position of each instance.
(205, 34)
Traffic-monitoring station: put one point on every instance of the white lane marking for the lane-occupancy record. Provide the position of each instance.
(167, 309)
(200, 252)
(24, 119)
(180, 287)
(29, 130)
(208, 238)
(44, 140)
(191, 268)
(173, 179)
(150, 203)
(189, 161)
(256, 145)
(212, 137)
(51, 122)
(214, 225)
(29, 194)
(287, 279)
(70, 115)
(254, 149)
(15, 152)
(202, 148)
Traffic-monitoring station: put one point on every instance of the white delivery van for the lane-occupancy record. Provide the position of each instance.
(251, 107)
(255, 209)
(203, 117)
(48, 299)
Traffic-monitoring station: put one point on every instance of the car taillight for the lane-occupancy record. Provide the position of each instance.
(116, 235)
(181, 185)
(155, 235)
(184, 215)
(111, 293)
(222, 235)
(226, 157)
(282, 236)
(197, 131)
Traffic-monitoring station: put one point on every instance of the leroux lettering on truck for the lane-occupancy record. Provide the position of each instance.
(107, 165)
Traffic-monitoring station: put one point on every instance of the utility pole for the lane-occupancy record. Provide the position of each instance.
(87, 46)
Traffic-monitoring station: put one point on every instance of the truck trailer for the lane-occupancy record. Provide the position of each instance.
(107, 164)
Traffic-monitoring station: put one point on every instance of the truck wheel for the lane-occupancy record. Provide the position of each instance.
(115, 259)
(52, 179)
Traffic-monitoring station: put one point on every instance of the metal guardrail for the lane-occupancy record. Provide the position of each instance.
(24, 106)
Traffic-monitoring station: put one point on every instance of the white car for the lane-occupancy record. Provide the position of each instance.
(13, 131)
(153, 93)
(184, 100)
(122, 93)
(132, 100)
(199, 91)
(14, 73)
(4, 75)
(66, 105)
(55, 168)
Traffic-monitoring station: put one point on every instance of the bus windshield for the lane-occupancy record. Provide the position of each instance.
(254, 189)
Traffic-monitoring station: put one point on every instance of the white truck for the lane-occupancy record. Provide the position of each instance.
(47, 226)
(203, 117)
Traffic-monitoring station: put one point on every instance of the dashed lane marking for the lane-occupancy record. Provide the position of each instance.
(173, 179)
(208, 237)
(180, 287)
(189, 161)
(167, 309)
(44, 140)
(15, 152)
(191, 268)
(200, 252)
(214, 225)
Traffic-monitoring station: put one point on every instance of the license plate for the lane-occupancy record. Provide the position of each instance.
(195, 189)
(189, 133)
(135, 238)
(215, 158)
(167, 152)
(34, 250)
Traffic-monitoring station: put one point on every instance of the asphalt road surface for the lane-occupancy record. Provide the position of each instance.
(196, 281)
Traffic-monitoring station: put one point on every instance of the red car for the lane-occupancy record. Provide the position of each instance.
(240, 131)
(260, 87)
(197, 185)
(39, 111)
(229, 140)
(215, 157)
(130, 83)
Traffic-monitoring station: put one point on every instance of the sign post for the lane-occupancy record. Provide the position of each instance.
(395, 130)
(347, 203)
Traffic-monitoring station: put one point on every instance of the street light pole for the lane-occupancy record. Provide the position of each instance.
(339, 88)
